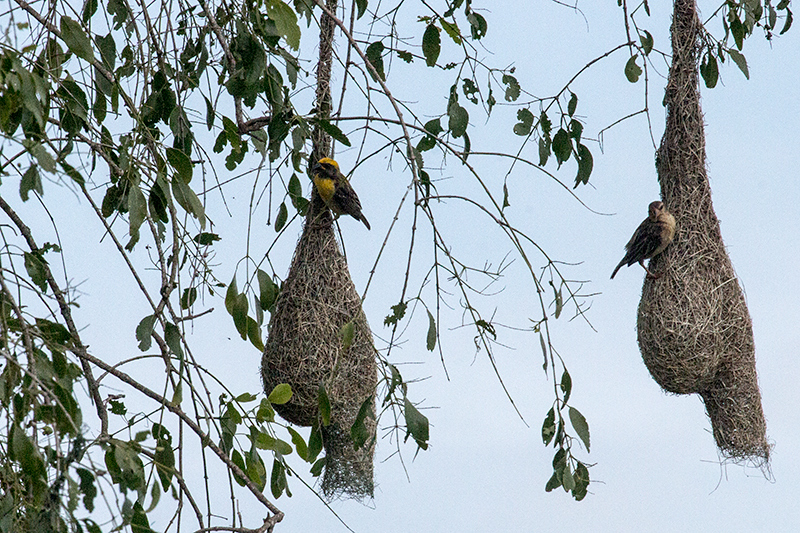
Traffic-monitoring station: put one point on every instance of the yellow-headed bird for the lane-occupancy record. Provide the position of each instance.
(650, 239)
(334, 188)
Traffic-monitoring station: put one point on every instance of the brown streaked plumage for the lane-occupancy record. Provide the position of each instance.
(334, 188)
(650, 239)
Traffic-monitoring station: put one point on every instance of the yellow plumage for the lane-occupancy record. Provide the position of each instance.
(335, 190)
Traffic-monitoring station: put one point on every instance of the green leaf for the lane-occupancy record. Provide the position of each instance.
(137, 210)
(505, 196)
(459, 119)
(452, 30)
(478, 26)
(573, 104)
(189, 201)
(181, 163)
(788, 23)
(738, 31)
(361, 7)
(580, 425)
(358, 431)
(164, 459)
(254, 334)
(268, 290)
(525, 124)
(740, 61)
(281, 394)
(647, 42)
(210, 114)
(172, 336)
(549, 427)
(205, 239)
(562, 147)
(709, 70)
(553, 483)
(283, 216)
(31, 181)
(398, 312)
(375, 57)
(238, 460)
(513, 89)
(585, 165)
(333, 131)
(581, 476)
(347, 333)
(567, 481)
(416, 425)
(314, 442)
(144, 332)
(544, 151)
(76, 39)
(431, 45)
(87, 488)
(239, 314)
(632, 70)
(324, 404)
(430, 343)
(566, 385)
(35, 266)
(544, 350)
(265, 412)
(285, 20)
(299, 444)
(434, 127)
(278, 479)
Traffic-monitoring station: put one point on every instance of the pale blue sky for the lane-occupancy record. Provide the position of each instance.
(656, 465)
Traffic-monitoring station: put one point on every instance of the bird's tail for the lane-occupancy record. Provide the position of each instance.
(364, 220)
(616, 269)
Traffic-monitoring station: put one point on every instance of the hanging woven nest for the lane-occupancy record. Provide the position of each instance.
(305, 349)
(694, 329)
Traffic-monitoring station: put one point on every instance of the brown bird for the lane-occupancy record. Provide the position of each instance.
(335, 189)
(650, 239)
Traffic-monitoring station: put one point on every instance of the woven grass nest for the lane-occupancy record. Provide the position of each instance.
(694, 329)
(305, 349)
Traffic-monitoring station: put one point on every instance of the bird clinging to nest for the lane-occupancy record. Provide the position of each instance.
(334, 188)
(650, 239)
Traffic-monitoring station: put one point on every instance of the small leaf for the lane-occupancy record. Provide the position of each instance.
(452, 30)
(478, 26)
(205, 239)
(647, 42)
(254, 334)
(333, 131)
(544, 151)
(375, 56)
(283, 216)
(144, 332)
(189, 201)
(562, 147)
(585, 165)
(347, 333)
(299, 443)
(431, 338)
(76, 39)
(268, 290)
(35, 266)
(580, 425)
(632, 70)
(544, 350)
(549, 427)
(525, 124)
(740, 61)
(361, 6)
(281, 394)
(278, 479)
(181, 163)
(172, 336)
(709, 70)
(358, 431)
(566, 385)
(31, 181)
(416, 425)
(431, 44)
(512, 87)
(573, 104)
(434, 127)
(459, 119)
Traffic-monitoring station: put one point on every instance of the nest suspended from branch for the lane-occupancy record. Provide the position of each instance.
(694, 329)
(305, 349)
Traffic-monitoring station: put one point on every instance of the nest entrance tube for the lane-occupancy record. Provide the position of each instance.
(693, 326)
(305, 349)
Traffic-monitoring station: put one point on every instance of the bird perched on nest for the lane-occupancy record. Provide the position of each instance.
(650, 239)
(334, 188)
